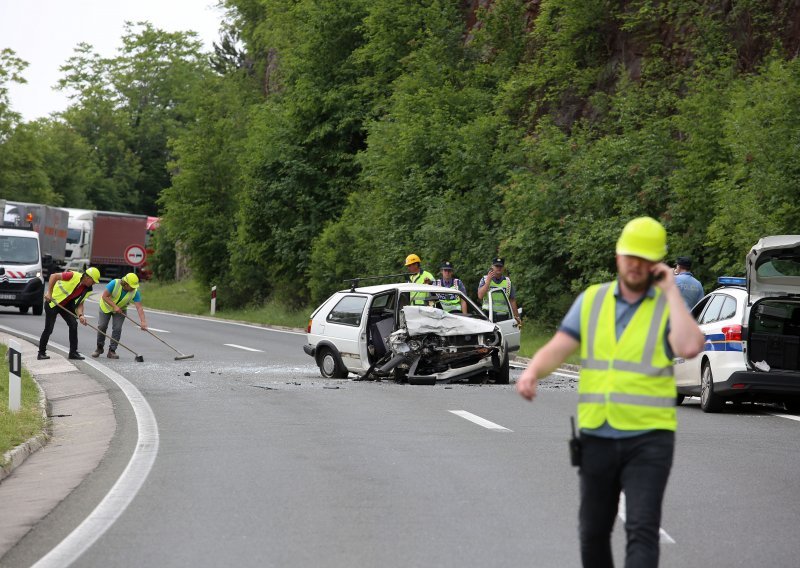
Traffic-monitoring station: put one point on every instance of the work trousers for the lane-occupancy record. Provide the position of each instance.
(50, 315)
(640, 467)
(116, 329)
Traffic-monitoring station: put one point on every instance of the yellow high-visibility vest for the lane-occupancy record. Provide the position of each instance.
(64, 288)
(627, 382)
(115, 295)
(418, 298)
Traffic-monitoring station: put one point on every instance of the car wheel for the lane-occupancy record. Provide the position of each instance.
(23, 309)
(709, 401)
(501, 376)
(329, 365)
(37, 309)
(679, 399)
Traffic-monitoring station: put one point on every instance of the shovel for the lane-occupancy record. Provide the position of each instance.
(138, 358)
(179, 356)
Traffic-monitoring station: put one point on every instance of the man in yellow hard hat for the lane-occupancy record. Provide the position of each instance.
(118, 294)
(418, 276)
(628, 332)
(66, 293)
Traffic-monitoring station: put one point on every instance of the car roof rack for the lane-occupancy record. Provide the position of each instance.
(355, 282)
(17, 225)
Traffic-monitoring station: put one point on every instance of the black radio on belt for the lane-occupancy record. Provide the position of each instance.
(574, 446)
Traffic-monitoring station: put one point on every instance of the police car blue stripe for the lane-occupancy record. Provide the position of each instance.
(716, 342)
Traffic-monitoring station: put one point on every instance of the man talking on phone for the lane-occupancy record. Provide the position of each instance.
(628, 332)
(496, 278)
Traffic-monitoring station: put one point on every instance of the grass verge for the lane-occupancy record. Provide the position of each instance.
(16, 427)
(186, 297)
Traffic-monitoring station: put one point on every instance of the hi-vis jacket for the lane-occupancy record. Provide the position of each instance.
(626, 382)
(115, 297)
(418, 298)
(64, 288)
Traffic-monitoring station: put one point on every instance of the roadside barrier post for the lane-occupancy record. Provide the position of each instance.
(14, 375)
(213, 300)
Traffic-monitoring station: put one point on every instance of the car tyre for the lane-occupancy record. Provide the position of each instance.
(679, 399)
(709, 401)
(329, 365)
(502, 375)
(23, 309)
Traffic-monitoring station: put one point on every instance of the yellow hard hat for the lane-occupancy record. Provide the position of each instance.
(643, 237)
(411, 259)
(93, 273)
(131, 280)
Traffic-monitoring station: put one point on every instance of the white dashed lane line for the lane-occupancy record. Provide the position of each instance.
(480, 421)
(243, 347)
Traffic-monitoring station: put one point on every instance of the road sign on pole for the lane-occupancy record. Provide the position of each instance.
(135, 255)
(14, 375)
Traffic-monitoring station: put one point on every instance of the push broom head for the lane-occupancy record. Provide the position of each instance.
(179, 357)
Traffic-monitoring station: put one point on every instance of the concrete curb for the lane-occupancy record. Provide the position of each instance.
(17, 455)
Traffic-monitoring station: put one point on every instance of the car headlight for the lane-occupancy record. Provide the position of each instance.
(33, 274)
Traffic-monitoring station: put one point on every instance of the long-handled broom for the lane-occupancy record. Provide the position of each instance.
(180, 355)
(138, 358)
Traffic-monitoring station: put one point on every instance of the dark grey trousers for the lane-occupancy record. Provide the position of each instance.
(116, 329)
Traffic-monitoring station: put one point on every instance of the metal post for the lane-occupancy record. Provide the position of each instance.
(14, 375)
(213, 300)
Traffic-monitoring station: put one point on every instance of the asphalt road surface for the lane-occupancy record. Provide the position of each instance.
(262, 462)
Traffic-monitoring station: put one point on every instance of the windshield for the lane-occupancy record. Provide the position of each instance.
(19, 250)
(73, 236)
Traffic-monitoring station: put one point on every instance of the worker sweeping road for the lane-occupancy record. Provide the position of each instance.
(68, 291)
(118, 294)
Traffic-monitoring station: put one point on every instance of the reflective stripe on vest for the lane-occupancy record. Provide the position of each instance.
(505, 284)
(418, 298)
(64, 288)
(627, 382)
(450, 302)
(115, 295)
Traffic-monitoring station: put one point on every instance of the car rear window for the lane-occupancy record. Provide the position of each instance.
(348, 311)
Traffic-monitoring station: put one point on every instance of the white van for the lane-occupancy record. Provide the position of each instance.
(21, 282)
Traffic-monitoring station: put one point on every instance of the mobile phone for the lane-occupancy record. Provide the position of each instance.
(653, 278)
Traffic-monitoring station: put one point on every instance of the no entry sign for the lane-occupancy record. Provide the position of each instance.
(134, 255)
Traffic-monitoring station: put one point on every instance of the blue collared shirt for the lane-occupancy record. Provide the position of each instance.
(690, 287)
(571, 325)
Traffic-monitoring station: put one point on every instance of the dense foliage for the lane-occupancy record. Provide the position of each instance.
(325, 139)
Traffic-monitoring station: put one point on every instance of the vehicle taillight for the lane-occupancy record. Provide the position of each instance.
(308, 329)
(732, 332)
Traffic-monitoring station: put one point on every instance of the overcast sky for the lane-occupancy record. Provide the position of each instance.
(45, 32)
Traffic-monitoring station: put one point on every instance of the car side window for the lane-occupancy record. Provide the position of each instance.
(728, 308)
(712, 311)
(500, 308)
(698, 309)
(348, 311)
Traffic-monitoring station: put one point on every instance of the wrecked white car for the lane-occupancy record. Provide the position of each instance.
(400, 331)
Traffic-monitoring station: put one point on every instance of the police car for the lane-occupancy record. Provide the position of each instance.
(752, 332)
(402, 331)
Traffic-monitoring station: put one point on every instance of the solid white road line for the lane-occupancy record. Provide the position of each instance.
(664, 537)
(127, 486)
(243, 347)
(480, 421)
(781, 415)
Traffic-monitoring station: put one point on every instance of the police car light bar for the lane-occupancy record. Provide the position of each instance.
(732, 281)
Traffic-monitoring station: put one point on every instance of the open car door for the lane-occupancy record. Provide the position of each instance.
(500, 314)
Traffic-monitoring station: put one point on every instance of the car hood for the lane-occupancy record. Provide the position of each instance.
(421, 320)
(773, 267)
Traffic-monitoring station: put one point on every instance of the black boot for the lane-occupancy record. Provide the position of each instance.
(76, 355)
(41, 356)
